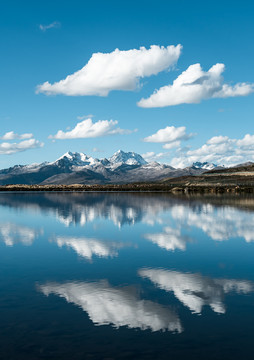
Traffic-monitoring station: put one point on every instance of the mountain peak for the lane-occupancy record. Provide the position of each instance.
(128, 158)
(75, 158)
(69, 155)
(204, 165)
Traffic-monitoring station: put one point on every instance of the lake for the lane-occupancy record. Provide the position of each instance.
(126, 276)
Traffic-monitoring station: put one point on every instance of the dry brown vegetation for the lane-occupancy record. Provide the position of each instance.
(179, 185)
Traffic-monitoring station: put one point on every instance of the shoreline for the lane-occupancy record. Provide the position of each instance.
(168, 188)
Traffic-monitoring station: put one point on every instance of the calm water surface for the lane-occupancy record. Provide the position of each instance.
(126, 276)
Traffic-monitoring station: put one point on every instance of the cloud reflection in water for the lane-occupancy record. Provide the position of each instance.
(171, 239)
(196, 290)
(89, 247)
(108, 305)
(219, 223)
(11, 234)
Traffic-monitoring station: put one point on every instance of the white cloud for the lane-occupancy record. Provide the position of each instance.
(12, 148)
(55, 24)
(216, 140)
(220, 150)
(83, 117)
(88, 129)
(118, 70)
(108, 305)
(152, 156)
(170, 136)
(174, 144)
(195, 85)
(11, 136)
(247, 141)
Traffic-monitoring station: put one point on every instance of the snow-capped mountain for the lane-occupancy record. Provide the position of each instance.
(129, 158)
(76, 160)
(82, 160)
(79, 168)
(204, 165)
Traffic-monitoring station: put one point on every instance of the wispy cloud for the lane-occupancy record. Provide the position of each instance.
(118, 70)
(95, 149)
(55, 24)
(152, 156)
(195, 85)
(83, 117)
(89, 129)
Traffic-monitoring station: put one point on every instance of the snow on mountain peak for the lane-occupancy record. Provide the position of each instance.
(77, 159)
(204, 165)
(129, 158)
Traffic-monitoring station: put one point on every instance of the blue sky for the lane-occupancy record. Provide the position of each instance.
(205, 115)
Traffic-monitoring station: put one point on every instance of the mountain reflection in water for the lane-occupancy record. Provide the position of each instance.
(126, 276)
(218, 216)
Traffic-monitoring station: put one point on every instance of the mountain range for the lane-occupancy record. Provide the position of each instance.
(79, 168)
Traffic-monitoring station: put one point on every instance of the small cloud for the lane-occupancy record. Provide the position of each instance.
(12, 148)
(82, 117)
(216, 140)
(172, 145)
(55, 24)
(168, 135)
(88, 129)
(152, 156)
(95, 149)
(11, 136)
(171, 136)
(118, 70)
(195, 85)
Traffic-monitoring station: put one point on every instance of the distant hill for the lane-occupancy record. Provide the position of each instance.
(241, 175)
